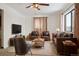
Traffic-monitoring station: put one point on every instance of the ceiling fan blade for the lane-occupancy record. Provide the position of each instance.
(28, 6)
(43, 4)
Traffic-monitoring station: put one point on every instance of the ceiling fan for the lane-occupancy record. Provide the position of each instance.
(36, 5)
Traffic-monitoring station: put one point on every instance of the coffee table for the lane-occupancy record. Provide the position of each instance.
(38, 42)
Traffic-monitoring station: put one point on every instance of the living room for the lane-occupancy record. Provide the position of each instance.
(18, 14)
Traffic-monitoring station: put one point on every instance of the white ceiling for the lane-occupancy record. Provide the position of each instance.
(53, 7)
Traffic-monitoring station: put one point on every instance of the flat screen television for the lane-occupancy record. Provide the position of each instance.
(16, 29)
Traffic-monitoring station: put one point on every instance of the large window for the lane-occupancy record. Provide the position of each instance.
(69, 21)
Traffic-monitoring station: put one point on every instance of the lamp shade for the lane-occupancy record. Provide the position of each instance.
(57, 29)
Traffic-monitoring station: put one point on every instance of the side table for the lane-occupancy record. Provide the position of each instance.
(11, 42)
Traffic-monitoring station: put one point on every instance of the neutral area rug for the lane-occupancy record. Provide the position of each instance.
(48, 50)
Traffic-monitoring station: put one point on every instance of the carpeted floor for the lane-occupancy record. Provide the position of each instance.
(48, 50)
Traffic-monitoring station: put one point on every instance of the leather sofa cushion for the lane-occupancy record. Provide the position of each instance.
(45, 33)
(63, 34)
(34, 33)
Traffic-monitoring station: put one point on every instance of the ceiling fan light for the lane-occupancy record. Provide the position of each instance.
(36, 5)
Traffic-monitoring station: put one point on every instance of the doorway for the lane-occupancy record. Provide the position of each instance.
(1, 28)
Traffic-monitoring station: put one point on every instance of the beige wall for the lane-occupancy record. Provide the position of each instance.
(11, 16)
(54, 22)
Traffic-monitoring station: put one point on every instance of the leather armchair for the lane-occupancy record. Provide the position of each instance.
(33, 35)
(21, 48)
(45, 35)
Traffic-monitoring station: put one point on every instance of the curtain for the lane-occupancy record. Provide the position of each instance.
(40, 23)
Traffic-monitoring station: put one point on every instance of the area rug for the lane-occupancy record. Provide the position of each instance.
(48, 50)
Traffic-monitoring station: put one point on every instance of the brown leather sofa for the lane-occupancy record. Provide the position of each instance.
(45, 35)
(62, 34)
(60, 46)
(58, 41)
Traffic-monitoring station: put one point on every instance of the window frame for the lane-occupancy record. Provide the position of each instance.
(71, 20)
